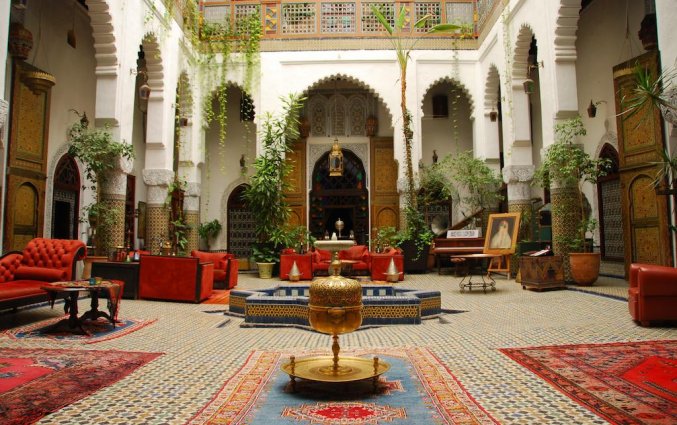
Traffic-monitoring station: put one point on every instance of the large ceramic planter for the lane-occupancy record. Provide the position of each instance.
(584, 267)
(265, 270)
(414, 262)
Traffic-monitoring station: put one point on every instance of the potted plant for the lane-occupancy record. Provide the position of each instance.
(209, 230)
(265, 258)
(265, 194)
(566, 167)
(416, 238)
(100, 154)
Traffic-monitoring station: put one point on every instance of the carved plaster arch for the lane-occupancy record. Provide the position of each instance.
(353, 80)
(491, 88)
(232, 83)
(103, 32)
(521, 52)
(456, 83)
(565, 30)
(49, 186)
(156, 73)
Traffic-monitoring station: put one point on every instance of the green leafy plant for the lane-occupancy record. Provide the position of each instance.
(209, 230)
(649, 94)
(297, 237)
(567, 164)
(264, 195)
(262, 253)
(100, 154)
(475, 183)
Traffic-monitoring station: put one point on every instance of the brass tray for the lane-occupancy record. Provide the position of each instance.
(351, 369)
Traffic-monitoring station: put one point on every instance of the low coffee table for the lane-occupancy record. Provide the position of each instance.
(71, 291)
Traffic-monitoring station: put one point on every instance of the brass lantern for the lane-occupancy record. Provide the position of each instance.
(336, 160)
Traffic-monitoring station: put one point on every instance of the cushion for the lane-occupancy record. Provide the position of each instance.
(39, 273)
(355, 253)
(20, 289)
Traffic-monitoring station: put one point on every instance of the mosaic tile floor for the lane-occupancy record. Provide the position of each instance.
(203, 350)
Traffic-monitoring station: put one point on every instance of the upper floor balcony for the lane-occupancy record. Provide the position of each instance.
(335, 25)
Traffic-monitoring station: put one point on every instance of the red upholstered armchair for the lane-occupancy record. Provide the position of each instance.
(380, 263)
(226, 267)
(321, 260)
(22, 274)
(652, 295)
(175, 278)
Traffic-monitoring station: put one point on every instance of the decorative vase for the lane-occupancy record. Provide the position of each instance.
(265, 270)
(584, 267)
(20, 41)
(294, 273)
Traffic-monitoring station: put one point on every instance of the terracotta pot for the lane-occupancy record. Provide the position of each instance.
(584, 267)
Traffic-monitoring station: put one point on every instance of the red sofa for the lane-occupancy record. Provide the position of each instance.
(652, 296)
(380, 263)
(226, 267)
(22, 274)
(304, 262)
(175, 278)
(358, 253)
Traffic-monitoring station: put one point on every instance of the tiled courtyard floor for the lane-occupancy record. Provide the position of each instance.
(203, 350)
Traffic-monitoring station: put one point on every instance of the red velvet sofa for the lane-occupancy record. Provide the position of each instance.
(226, 267)
(358, 253)
(304, 262)
(652, 296)
(22, 274)
(172, 278)
(381, 262)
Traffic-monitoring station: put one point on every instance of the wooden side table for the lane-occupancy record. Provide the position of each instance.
(541, 272)
(126, 272)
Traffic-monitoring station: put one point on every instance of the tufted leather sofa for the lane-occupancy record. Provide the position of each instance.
(358, 253)
(225, 267)
(22, 274)
(652, 296)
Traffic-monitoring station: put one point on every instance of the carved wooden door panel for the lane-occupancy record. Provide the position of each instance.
(26, 161)
(385, 201)
(296, 195)
(640, 142)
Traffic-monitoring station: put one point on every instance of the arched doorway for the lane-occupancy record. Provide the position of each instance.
(241, 226)
(610, 214)
(66, 199)
(345, 197)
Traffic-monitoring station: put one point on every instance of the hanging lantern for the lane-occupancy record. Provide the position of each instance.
(336, 160)
(529, 86)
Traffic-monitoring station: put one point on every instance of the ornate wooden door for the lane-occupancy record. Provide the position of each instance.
(385, 201)
(66, 199)
(640, 142)
(26, 161)
(296, 195)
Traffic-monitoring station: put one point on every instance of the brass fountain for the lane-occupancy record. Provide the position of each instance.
(335, 307)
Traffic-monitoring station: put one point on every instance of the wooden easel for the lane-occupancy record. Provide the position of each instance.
(499, 264)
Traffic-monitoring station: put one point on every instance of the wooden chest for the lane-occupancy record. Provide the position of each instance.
(542, 272)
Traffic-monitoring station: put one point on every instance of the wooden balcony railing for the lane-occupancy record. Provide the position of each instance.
(341, 19)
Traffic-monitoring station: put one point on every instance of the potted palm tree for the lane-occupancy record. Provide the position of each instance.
(565, 168)
(265, 194)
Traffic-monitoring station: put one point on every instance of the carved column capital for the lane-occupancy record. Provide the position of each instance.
(157, 176)
(518, 173)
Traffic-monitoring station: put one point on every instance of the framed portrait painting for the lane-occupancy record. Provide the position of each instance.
(502, 232)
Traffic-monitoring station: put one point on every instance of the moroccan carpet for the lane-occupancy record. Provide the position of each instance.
(36, 382)
(99, 330)
(417, 389)
(624, 383)
(219, 296)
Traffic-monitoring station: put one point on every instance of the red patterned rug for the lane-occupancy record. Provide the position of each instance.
(36, 382)
(99, 330)
(624, 383)
(418, 389)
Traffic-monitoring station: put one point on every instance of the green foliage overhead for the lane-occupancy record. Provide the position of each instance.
(265, 194)
(473, 178)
